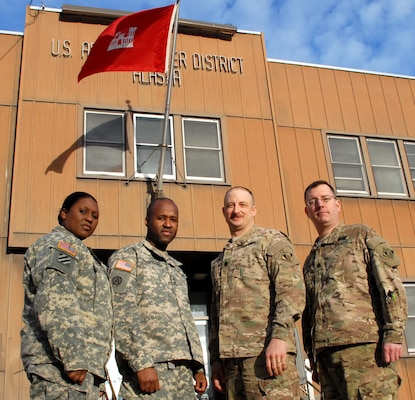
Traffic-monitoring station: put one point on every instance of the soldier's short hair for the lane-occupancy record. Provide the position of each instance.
(242, 188)
(71, 200)
(314, 184)
(154, 202)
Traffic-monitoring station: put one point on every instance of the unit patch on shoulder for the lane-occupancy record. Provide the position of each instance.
(62, 261)
(120, 275)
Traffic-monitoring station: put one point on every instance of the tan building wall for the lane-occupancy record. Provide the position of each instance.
(274, 119)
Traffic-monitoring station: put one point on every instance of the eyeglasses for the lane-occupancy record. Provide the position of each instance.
(324, 199)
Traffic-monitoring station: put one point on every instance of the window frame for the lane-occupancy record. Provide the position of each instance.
(219, 150)
(408, 185)
(145, 176)
(411, 316)
(129, 153)
(90, 173)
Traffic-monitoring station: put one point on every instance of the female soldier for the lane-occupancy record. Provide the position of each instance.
(67, 315)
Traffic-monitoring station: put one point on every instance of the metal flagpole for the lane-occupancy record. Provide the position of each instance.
(163, 145)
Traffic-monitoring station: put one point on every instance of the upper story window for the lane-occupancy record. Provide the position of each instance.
(410, 154)
(370, 166)
(386, 167)
(202, 149)
(348, 168)
(148, 138)
(117, 146)
(410, 324)
(104, 144)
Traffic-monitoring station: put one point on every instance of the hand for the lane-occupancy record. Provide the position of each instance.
(392, 352)
(77, 376)
(276, 357)
(201, 382)
(218, 376)
(148, 380)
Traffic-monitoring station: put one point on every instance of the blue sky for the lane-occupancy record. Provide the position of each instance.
(372, 35)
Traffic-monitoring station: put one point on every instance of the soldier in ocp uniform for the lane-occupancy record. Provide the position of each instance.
(258, 294)
(68, 315)
(158, 346)
(356, 306)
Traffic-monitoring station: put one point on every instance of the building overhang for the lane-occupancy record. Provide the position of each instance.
(103, 16)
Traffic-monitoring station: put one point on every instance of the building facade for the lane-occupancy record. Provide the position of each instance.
(236, 118)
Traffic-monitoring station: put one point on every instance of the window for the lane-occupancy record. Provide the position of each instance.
(371, 166)
(129, 145)
(148, 139)
(386, 167)
(104, 144)
(410, 154)
(203, 158)
(348, 168)
(410, 325)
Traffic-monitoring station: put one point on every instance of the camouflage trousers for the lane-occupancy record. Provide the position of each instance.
(41, 389)
(248, 379)
(176, 383)
(356, 373)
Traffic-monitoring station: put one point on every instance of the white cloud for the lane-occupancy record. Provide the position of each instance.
(373, 35)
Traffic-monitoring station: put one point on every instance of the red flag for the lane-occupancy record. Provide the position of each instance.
(135, 42)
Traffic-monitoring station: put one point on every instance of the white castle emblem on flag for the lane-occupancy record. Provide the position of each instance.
(121, 41)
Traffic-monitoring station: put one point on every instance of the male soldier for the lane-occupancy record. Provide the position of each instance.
(158, 346)
(356, 308)
(258, 294)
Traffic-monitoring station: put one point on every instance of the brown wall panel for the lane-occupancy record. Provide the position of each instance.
(363, 103)
(347, 102)
(315, 97)
(334, 112)
(10, 56)
(378, 103)
(281, 94)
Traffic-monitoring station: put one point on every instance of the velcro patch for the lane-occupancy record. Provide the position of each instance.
(124, 265)
(119, 279)
(62, 261)
(67, 248)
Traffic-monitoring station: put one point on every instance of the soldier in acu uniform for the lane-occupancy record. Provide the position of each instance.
(258, 294)
(158, 346)
(68, 315)
(356, 305)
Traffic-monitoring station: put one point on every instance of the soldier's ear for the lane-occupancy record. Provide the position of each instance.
(63, 213)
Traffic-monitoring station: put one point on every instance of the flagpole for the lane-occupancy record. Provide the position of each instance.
(159, 190)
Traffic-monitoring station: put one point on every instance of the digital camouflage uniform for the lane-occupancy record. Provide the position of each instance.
(154, 322)
(355, 303)
(67, 316)
(258, 294)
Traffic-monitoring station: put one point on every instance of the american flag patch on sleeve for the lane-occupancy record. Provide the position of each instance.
(124, 265)
(67, 248)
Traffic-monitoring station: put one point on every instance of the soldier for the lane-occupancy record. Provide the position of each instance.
(67, 316)
(356, 307)
(158, 346)
(258, 294)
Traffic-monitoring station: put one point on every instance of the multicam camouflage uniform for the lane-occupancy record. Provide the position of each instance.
(68, 316)
(154, 323)
(355, 298)
(258, 294)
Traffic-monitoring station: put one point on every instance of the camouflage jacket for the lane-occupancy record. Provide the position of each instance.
(67, 315)
(354, 293)
(258, 294)
(153, 319)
